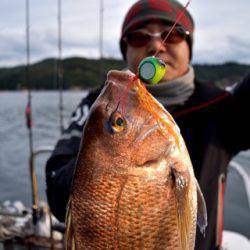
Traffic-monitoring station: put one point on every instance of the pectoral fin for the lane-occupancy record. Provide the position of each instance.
(184, 208)
(201, 210)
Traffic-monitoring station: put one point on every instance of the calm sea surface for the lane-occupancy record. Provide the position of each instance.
(14, 151)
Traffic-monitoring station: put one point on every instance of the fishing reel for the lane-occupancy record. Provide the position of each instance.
(151, 70)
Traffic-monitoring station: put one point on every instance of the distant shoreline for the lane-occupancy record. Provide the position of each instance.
(85, 74)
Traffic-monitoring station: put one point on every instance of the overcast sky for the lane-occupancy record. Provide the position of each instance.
(222, 29)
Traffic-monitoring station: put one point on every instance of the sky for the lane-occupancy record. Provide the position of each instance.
(221, 29)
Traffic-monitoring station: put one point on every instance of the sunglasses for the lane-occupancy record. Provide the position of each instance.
(142, 38)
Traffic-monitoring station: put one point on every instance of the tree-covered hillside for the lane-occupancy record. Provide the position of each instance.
(85, 73)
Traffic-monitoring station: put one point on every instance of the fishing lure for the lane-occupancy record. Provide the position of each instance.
(151, 70)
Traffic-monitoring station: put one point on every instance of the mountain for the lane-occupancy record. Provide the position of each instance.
(86, 73)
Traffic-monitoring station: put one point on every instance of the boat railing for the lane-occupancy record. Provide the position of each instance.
(34, 188)
(244, 176)
(45, 227)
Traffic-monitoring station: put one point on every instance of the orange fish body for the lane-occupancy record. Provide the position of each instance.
(133, 188)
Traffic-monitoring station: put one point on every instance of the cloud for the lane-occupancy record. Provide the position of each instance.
(240, 48)
(220, 33)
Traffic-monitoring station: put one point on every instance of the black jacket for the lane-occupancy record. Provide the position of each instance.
(215, 127)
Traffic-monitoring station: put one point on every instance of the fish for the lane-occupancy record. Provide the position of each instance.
(134, 186)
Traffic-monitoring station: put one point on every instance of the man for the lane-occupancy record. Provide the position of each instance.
(213, 122)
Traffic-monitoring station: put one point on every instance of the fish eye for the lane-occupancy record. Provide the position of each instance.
(118, 122)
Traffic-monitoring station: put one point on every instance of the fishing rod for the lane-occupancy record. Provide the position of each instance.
(28, 112)
(29, 122)
(33, 153)
(101, 11)
(59, 65)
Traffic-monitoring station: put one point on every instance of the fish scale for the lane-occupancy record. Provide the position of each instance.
(142, 222)
(134, 187)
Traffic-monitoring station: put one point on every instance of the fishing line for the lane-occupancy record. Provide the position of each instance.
(147, 101)
(175, 23)
(125, 94)
(28, 111)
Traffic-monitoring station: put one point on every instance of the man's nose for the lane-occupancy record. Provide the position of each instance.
(155, 46)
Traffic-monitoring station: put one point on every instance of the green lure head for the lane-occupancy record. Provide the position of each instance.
(151, 70)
